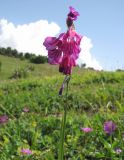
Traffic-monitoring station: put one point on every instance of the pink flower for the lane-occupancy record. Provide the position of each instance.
(54, 47)
(87, 129)
(109, 127)
(26, 151)
(25, 109)
(64, 50)
(73, 14)
(118, 150)
(3, 119)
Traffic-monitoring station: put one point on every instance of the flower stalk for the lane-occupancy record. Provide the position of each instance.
(63, 123)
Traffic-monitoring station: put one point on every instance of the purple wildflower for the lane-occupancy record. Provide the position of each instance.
(3, 119)
(65, 49)
(118, 150)
(26, 151)
(109, 127)
(87, 129)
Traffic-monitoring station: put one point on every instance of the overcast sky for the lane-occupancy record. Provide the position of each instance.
(24, 25)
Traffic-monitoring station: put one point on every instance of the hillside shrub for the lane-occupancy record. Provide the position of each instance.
(22, 72)
(38, 59)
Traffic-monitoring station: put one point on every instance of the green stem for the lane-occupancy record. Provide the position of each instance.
(61, 155)
(63, 125)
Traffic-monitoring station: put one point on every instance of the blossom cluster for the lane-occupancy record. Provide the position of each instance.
(73, 14)
(109, 128)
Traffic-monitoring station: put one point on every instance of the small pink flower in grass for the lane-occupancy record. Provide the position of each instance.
(109, 127)
(25, 109)
(118, 150)
(3, 119)
(87, 129)
(26, 151)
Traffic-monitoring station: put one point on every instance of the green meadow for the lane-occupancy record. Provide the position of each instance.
(31, 112)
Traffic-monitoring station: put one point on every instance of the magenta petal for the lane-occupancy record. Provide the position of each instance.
(87, 129)
(54, 56)
(3, 119)
(26, 151)
(53, 45)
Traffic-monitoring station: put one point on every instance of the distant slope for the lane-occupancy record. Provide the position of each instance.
(10, 64)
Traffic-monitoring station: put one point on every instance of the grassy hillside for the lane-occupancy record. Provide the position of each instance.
(88, 89)
(10, 64)
(33, 111)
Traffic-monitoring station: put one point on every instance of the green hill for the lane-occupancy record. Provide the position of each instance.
(10, 64)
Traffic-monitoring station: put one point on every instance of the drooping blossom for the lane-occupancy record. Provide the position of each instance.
(26, 151)
(72, 14)
(109, 127)
(61, 89)
(66, 80)
(87, 129)
(64, 49)
(3, 119)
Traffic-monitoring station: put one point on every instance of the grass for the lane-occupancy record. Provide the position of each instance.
(10, 64)
(94, 98)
